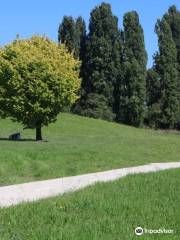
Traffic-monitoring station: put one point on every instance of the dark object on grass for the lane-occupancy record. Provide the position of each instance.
(15, 136)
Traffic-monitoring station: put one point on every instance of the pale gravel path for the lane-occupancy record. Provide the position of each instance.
(28, 192)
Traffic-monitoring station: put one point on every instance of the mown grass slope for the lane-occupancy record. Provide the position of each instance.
(101, 212)
(77, 145)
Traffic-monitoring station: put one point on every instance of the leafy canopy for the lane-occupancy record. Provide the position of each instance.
(37, 79)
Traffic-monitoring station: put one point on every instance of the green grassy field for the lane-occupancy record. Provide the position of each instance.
(79, 145)
(109, 211)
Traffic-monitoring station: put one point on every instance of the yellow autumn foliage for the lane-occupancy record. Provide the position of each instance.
(37, 79)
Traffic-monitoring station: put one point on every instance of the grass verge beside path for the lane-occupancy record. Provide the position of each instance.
(78, 145)
(101, 212)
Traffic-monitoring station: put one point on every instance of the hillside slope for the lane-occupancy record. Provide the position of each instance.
(77, 145)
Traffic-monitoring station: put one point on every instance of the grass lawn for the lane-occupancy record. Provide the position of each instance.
(79, 145)
(108, 211)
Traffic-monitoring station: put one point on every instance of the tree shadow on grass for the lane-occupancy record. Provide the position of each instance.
(21, 140)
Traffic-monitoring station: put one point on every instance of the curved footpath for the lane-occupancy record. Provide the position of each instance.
(28, 192)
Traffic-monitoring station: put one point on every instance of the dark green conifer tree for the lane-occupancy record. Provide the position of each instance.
(167, 69)
(80, 27)
(132, 88)
(153, 112)
(81, 38)
(73, 34)
(173, 19)
(102, 64)
(67, 33)
(81, 49)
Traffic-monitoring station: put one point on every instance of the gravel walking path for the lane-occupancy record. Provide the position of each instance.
(28, 192)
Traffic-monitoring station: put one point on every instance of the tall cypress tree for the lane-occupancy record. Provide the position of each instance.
(173, 19)
(132, 85)
(81, 48)
(67, 33)
(81, 38)
(80, 27)
(153, 112)
(167, 69)
(73, 34)
(102, 64)
(153, 87)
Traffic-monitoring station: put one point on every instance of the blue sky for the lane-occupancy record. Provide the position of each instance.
(43, 16)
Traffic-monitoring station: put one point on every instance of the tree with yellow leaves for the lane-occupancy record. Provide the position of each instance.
(37, 79)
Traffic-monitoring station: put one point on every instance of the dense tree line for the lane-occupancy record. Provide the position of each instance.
(115, 82)
(38, 77)
(163, 80)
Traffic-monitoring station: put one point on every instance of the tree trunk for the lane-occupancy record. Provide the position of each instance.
(38, 133)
